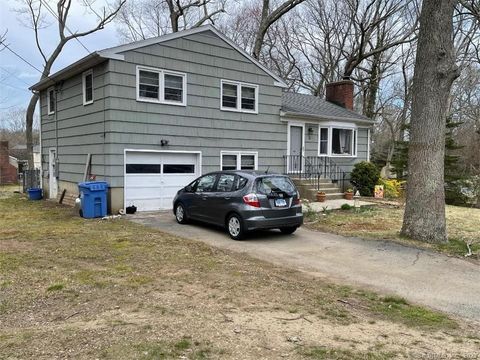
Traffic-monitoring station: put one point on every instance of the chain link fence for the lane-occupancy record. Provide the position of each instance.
(30, 179)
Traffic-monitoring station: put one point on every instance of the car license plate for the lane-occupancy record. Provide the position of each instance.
(280, 202)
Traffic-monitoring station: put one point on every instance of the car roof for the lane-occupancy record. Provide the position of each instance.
(247, 173)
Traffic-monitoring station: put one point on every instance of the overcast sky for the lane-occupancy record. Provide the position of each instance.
(15, 75)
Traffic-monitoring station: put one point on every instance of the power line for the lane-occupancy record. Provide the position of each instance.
(15, 76)
(66, 27)
(15, 87)
(20, 57)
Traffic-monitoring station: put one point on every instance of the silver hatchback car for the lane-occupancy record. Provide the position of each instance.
(241, 201)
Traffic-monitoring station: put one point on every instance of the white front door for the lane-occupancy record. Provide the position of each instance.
(52, 174)
(153, 178)
(295, 151)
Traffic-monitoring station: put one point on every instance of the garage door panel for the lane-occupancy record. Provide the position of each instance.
(155, 191)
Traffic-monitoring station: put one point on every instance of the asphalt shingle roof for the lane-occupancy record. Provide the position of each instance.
(316, 106)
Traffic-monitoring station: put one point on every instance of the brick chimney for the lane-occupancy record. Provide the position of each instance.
(340, 93)
(8, 172)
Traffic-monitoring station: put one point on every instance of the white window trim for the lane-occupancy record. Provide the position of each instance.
(84, 90)
(238, 154)
(161, 84)
(330, 127)
(239, 96)
(329, 140)
(50, 111)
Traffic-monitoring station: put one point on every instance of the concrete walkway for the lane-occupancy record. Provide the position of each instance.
(445, 283)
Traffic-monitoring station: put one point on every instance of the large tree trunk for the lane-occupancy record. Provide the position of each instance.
(373, 86)
(29, 129)
(434, 73)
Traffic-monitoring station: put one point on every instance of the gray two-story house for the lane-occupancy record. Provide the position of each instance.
(151, 116)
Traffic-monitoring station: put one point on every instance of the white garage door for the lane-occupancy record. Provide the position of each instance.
(153, 178)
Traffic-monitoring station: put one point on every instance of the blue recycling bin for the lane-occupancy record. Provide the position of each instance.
(93, 196)
(34, 193)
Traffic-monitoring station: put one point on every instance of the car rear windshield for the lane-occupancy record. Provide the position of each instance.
(276, 184)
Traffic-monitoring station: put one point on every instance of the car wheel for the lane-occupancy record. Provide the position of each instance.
(235, 227)
(288, 230)
(180, 214)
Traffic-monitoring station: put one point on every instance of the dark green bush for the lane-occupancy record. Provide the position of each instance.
(346, 207)
(364, 177)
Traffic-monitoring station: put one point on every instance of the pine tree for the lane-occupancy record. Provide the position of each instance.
(453, 173)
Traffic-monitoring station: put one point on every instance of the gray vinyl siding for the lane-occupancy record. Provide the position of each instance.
(117, 121)
(201, 125)
(80, 128)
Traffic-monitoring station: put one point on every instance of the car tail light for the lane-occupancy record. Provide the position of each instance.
(296, 200)
(252, 200)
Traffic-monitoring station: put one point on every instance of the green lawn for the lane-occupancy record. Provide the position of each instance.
(111, 289)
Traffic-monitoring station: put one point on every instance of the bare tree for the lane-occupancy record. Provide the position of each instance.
(434, 73)
(35, 11)
(142, 19)
(268, 18)
(13, 127)
(354, 38)
(378, 25)
(472, 6)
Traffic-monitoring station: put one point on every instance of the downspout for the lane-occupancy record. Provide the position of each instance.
(40, 138)
(368, 144)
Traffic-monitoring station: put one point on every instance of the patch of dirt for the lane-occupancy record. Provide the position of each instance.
(74, 289)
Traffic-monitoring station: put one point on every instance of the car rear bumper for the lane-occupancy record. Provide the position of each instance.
(260, 222)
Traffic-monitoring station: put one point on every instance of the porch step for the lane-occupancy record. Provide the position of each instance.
(308, 189)
(335, 196)
(321, 181)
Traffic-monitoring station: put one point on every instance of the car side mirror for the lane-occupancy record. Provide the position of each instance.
(188, 188)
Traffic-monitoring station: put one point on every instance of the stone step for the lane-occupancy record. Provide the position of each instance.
(329, 190)
(333, 196)
(305, 181)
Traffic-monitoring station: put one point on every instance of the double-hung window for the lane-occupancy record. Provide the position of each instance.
(337, 141)
(161, 86)
(239, 160)
(87, 85)
(241, 97)
(51, 100)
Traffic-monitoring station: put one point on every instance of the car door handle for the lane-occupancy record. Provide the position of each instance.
(227, 198)
(204, 198)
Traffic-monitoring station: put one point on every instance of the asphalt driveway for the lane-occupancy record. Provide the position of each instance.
(441, 282)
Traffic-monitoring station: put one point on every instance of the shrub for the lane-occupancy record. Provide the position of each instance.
(365, 176)
(392, 188)
(345, 207)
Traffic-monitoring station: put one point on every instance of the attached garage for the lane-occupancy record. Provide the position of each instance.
(152, 178)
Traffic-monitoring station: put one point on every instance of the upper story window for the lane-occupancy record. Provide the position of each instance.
(51, 100)
(87, 84)
(337, 141)
(236, 96)
(161, 86)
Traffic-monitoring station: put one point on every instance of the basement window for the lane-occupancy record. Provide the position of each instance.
(239, 160)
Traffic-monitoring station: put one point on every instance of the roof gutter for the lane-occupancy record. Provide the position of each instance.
(75, 68)
(298, 115)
